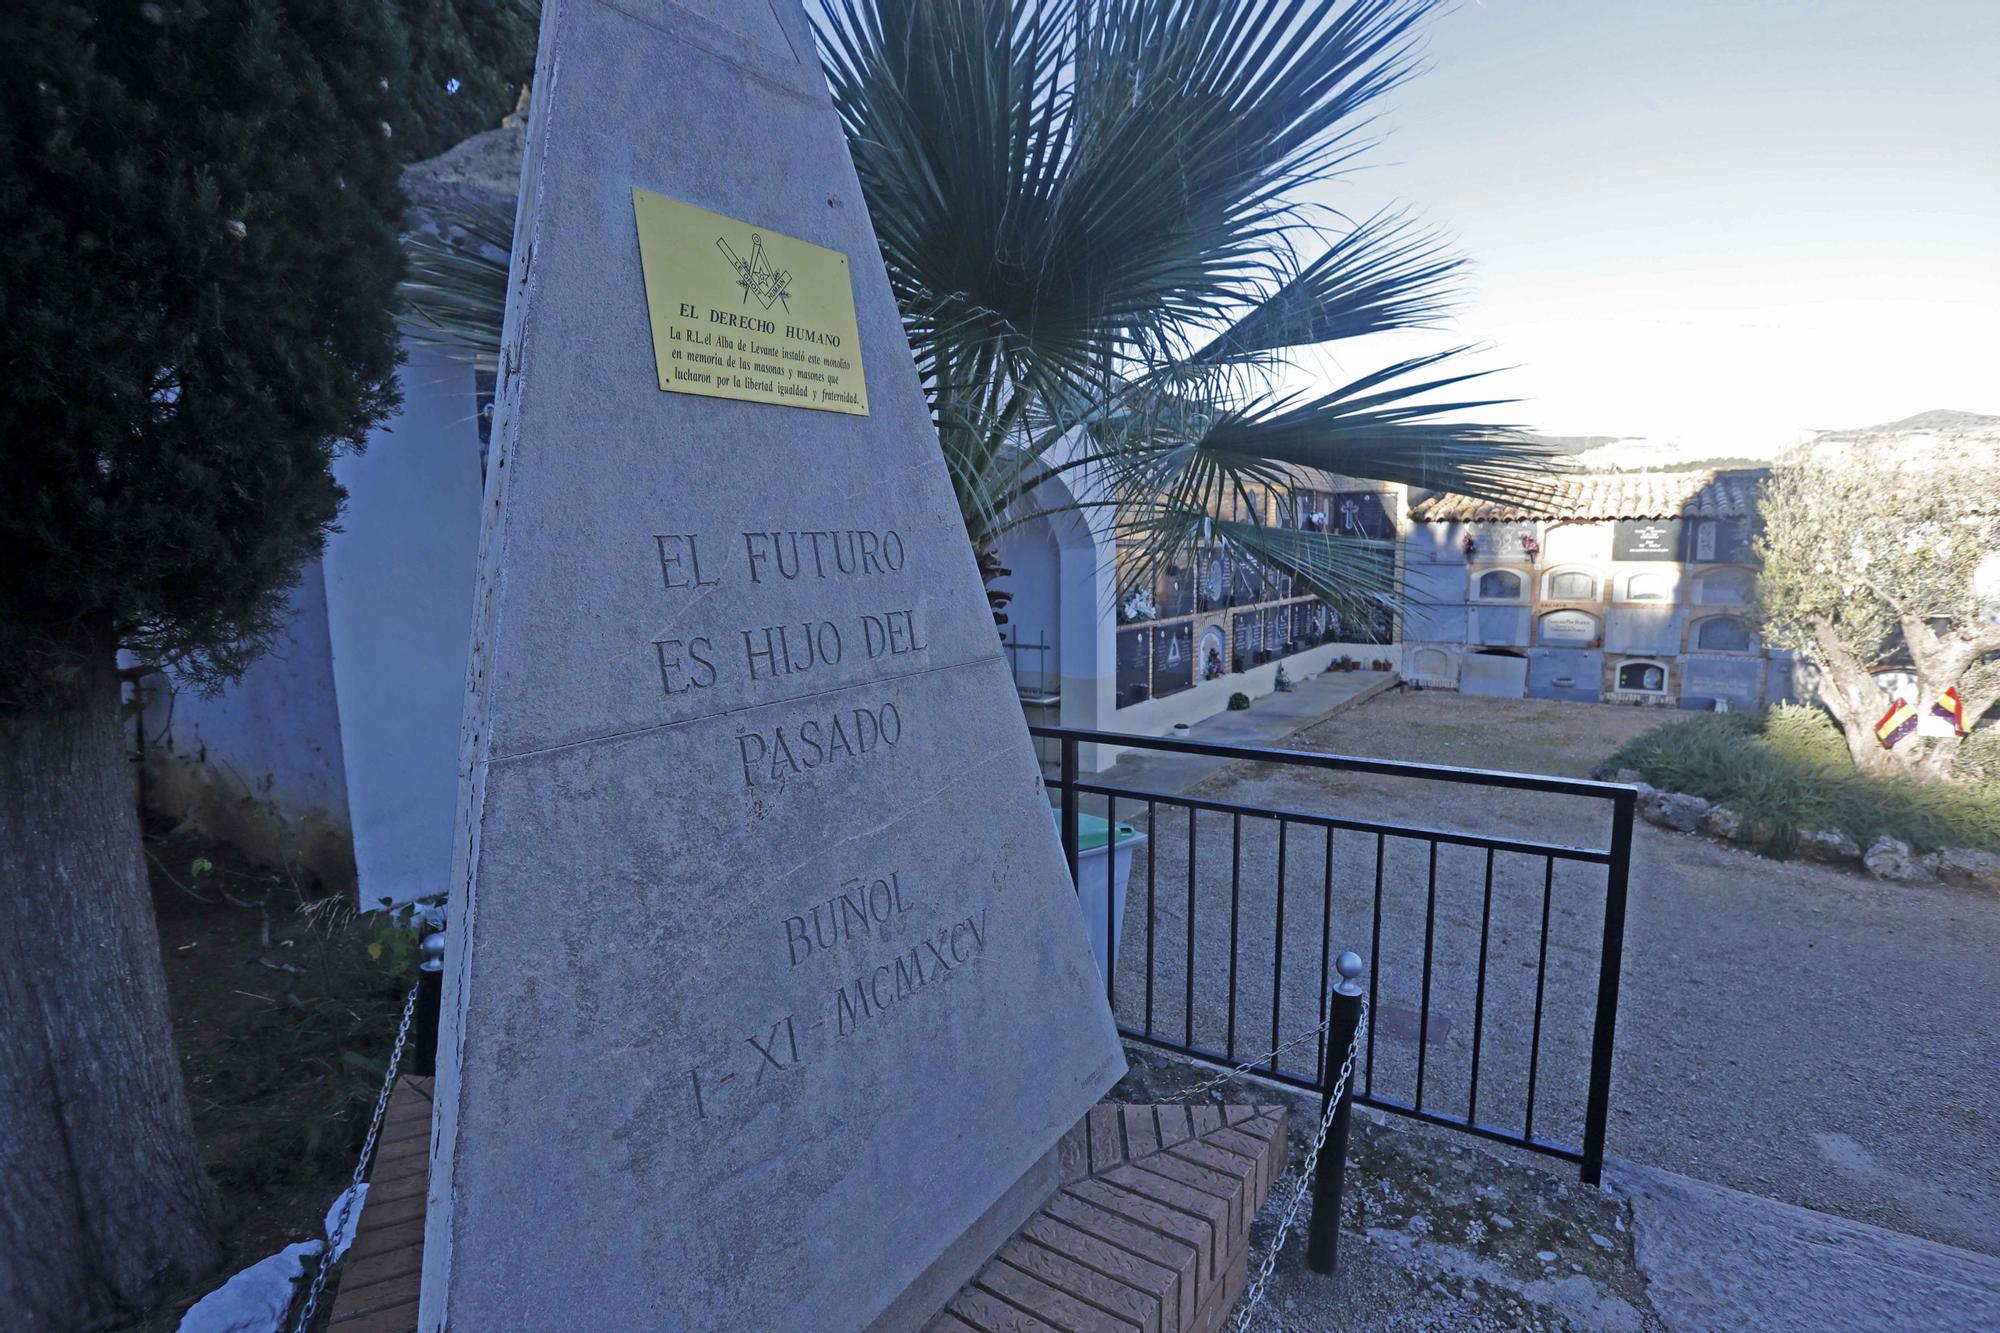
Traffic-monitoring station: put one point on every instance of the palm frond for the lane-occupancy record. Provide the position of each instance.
(1384, 274)
(1089, 213)
(454, 289)
(1387, 426)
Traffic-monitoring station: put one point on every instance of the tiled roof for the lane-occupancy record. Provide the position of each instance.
(1586, 495)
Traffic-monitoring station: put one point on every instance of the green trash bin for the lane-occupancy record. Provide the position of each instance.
(1094, 863)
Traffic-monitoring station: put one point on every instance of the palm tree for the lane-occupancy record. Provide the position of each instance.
(1091, 214)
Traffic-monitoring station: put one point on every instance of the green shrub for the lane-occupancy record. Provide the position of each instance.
(1979, 754)
(1786, 772)
(1238, 701)
(1806, 733)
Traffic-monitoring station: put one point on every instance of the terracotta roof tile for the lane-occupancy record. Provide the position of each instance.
(1585, 496)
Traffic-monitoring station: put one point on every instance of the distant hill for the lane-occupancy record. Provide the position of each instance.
(1575, 444)
(1631, 454)
(1939, 420)
(1938, 438)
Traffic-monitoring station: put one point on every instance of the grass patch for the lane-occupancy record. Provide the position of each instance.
(287, 1095)
(1786, 771)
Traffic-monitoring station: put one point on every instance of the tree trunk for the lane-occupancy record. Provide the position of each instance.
(990, 572)
(104, 1202)
(1849, 693)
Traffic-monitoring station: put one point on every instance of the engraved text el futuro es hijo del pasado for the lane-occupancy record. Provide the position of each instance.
(778, 652)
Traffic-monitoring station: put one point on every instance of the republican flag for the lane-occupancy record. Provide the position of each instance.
(1951, 710)
(1897, 723)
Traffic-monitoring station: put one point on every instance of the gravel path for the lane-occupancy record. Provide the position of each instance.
(1794, 1031)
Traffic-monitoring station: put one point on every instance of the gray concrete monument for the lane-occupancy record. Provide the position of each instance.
(766, 984)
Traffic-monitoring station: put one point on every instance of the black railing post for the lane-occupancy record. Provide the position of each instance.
(430, 998)
(1070, 835)
(1330, 1180)
(1610, 959)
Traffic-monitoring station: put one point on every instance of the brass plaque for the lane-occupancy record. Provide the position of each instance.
(741, 311)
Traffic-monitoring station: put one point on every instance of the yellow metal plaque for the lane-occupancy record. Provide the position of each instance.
(741, 311)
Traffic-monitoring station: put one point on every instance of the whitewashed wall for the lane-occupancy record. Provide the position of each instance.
(259, 763)
(399, 585)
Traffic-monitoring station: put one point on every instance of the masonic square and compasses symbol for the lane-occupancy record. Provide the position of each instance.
(756, 276)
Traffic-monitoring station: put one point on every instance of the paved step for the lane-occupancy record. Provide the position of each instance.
(1717, 1258)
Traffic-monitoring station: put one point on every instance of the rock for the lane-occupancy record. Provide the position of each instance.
(256, 1299)
(1722, 822)
(1828, 845)
(1964, 866)
(1629, 776)
(1892, 859)
(1674, 810)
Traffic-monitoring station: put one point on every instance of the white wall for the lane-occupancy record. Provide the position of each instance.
(1206, 698)
(1035, 614)
(259, 763)
(399, 587)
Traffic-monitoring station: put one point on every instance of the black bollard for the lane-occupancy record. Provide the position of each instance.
(430, 997)
(1330, 1180)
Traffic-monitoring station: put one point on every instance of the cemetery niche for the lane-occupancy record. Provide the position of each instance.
(732, 1036)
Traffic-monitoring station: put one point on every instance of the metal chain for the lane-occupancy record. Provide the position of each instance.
(1249, 1066)
(339, 1229)
(1254, 1298)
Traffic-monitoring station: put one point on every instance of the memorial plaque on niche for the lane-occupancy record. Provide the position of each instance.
(1646, 539)
(1246, 631)
(1571, 627)
(1173, 658)
(1363, 514)
(766, 983)
(741, 311)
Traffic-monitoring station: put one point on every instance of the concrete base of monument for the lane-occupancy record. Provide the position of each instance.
(1138, 1219)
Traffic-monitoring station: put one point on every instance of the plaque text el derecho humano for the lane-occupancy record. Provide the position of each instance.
(740, 311)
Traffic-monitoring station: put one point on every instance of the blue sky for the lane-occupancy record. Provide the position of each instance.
(1709, 221)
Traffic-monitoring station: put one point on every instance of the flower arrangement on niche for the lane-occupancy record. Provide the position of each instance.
(1138, 605)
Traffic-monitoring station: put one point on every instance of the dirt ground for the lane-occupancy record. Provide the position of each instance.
(237, 949)
(1795, 1031)
(1513, 735)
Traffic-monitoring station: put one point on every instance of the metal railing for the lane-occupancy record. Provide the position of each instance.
(1379, 878)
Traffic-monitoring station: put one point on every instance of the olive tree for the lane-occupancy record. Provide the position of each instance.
(1869, 566)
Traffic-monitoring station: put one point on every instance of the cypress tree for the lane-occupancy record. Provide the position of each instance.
(200, 208)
